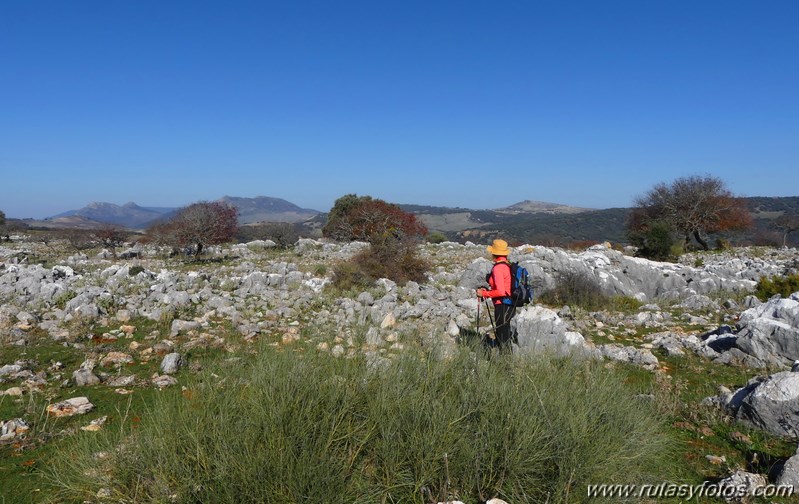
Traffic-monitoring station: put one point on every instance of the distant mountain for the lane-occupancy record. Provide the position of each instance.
(266, 209)
(529, 206)
(560, 225)
(524, 222)
(131, 215)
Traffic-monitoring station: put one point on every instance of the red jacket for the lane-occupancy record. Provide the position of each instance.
(499, 281)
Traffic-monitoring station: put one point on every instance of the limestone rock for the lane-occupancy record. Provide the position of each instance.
(638, 356)
(163, 381)
(116, 359)
(85, 377)
(773, 405)
(770, 332)
(12, 428)
(70, 407)
(172, 363)
(540, 330)
(744, 483)
(789, 475)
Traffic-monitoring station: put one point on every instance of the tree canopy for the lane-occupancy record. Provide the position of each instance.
(364, 218)
(692, 206)
(197, 225)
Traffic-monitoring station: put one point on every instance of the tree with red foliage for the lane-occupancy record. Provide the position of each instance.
(197, 225)
(392, 235)
(692, 206)
(367, 219)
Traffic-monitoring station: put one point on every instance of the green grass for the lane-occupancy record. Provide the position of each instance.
(299, 426)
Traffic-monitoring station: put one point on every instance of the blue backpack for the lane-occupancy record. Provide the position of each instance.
(521, 292)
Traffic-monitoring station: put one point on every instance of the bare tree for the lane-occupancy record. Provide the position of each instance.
(693, 206)
(110, 237)
(786, 223)
(196, 226)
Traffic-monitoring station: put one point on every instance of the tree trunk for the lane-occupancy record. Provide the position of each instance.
(700, 240)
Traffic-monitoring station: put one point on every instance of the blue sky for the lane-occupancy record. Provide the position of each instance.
(451, 103)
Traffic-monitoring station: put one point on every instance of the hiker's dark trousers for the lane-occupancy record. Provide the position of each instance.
(503, 313)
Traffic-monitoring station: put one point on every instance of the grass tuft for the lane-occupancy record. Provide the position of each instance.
(306, 427)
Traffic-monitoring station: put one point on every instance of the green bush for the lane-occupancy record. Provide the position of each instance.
(583, 291)
(782, 285)
(396, 260)
(575, 289)
(135, 270)
(656, 242)
(62, 299)
(306, 427)
(436, 237)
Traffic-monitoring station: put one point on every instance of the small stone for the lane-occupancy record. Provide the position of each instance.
(85, 377)
(713, 459)
(172, 363)
(163, 381)
(70, 407)
(116, 359)
(707, 431)
(388, 321)
(121, 381)
(128, 329)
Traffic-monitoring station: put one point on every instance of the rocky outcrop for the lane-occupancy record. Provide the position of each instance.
(770, 332)
(541, 330)
(773, 404)
(766, 335)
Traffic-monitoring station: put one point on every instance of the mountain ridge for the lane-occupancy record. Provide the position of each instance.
(524, 222)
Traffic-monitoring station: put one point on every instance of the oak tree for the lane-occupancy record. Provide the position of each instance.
(692, 206)
(196, 226)
(367, 219)
(786, 223)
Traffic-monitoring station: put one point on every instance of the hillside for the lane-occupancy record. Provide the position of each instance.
(133, 216)
(524, 222)
(562, 228)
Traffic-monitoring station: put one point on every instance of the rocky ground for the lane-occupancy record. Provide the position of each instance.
(80, 331)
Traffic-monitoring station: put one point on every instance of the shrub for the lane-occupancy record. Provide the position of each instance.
(581, 244)
(135, 270)
(655, 241)
(393, 259)
(723, 244)
(782, 285)
(364, 218)
(582, 290)
(306, 427)
(65, 297)
(195, 226)
(284, 235)
(436, 237)
(576, 289)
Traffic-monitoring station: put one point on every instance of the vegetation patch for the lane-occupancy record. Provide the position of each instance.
(303, 426)
(782, 285)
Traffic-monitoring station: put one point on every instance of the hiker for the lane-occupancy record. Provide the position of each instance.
(499, 281)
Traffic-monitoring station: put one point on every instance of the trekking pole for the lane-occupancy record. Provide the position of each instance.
(478, 319)
(491, 318)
